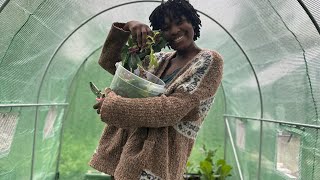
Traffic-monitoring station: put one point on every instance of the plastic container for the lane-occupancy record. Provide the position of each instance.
(127, 84)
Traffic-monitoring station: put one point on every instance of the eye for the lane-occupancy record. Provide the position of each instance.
(165, 28)
(179, 22)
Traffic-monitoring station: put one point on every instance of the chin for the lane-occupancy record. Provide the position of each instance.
(179, 47)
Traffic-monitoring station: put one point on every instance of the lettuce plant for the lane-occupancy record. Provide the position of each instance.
(209, 169)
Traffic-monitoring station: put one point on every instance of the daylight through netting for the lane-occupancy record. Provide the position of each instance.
(264, 121)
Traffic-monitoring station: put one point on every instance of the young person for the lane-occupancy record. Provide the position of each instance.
(151, 138)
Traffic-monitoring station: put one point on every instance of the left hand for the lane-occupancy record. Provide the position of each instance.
(100, 100)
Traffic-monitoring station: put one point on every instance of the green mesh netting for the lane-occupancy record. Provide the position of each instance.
(269, 96)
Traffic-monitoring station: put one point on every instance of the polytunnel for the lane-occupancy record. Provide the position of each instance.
(265, 119)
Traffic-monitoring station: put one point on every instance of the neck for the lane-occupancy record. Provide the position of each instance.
(191, 51)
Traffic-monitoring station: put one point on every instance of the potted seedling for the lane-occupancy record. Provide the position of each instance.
(133, 78)
(208, 169)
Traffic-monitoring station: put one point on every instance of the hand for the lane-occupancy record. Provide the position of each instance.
(139, 32)
(98, 105)
(100, 100)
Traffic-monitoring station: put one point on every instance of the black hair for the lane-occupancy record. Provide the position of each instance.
(175, 9)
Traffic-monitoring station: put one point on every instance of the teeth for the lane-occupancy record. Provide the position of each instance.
(178, 39)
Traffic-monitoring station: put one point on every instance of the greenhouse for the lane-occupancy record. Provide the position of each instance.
(264, 121)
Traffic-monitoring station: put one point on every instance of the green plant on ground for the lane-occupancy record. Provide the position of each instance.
(208, 168)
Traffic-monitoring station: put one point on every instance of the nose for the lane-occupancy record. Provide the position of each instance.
(174, 30)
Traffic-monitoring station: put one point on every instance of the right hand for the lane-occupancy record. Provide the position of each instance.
(139, 32)
(100, 100)
(98, 105)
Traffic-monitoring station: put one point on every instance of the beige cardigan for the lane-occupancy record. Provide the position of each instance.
(153, 137)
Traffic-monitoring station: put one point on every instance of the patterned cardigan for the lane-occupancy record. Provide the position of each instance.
(151, 138)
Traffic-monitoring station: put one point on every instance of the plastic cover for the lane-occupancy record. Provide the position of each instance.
(48, 56)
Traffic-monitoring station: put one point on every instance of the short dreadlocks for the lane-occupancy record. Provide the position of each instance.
(175, 9)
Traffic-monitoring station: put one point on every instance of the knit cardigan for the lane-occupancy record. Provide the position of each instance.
(151, 138)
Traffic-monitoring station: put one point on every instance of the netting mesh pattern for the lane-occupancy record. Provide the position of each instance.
(313, 6)
(288, 152)
(8, 124)
(271, 70)
(313, 54)
(2, 3)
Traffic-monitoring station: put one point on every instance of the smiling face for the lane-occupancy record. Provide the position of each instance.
(179, 33)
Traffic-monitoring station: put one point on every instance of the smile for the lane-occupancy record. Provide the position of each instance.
(178, 39)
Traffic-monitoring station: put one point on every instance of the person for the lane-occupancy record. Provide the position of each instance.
(152, 137)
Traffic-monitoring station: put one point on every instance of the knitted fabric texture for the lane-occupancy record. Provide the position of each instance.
(153, 137)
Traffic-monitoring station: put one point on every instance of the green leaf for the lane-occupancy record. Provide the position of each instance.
(124, 51)
(218, 170)
(131, 62)
(189, 164)
(206, 168)
(210, 155)
(225, 170)
(125, 62)
(124, 54)
(221, 162)
(156, 33)
(150, 40)
(134, 61)
(153, 60)
(131, 56)
(130, 41)
(160, 45)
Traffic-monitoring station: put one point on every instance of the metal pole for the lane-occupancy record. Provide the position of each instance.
(310, 15)
(33, 105)
(233, 148)
(275, 121)
(260, 149)
(225, 140)
(4, 5)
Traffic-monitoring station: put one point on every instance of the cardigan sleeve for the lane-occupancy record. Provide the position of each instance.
(111, 51)
(182, 104)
